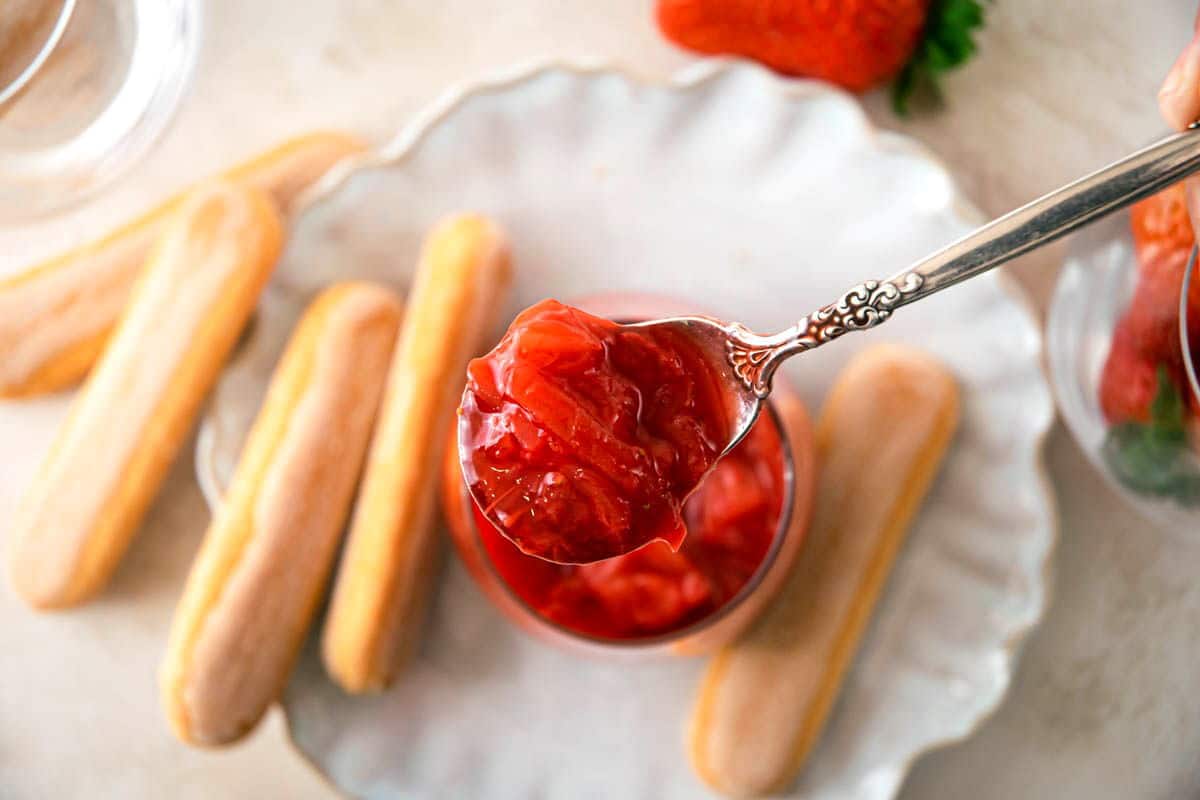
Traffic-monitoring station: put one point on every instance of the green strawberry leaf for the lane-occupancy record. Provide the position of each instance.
(1167, 410)
(946, 44)
(1154, 457)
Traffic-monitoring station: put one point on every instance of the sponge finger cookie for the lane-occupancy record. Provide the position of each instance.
(386, 571)
(763, 701)
(201, 283)
(265, 560)
(56, 317)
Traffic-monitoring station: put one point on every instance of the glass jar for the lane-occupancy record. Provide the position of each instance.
(719, 625)
(93, 86)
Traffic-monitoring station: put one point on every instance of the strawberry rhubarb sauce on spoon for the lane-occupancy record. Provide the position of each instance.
(580, 438)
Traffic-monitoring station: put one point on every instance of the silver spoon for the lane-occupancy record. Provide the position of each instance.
(749, 360)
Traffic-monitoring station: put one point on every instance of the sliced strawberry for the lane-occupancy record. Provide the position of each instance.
(1161, 222)
(1153, 315)
(1129, 379)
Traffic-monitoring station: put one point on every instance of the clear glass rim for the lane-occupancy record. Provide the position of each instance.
(1189, 364)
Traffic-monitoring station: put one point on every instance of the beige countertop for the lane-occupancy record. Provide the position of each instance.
(1104, 702)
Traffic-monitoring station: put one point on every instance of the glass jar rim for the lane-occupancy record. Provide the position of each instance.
(1189, 362)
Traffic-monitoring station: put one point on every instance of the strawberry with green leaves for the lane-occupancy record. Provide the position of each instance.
(1144, 392)
(857, 44)
(1163, 240)
(1153, 456)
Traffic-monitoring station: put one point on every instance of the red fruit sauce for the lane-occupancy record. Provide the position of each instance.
(731, 521)
(581, 439)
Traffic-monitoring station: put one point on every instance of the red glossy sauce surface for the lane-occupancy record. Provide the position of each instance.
(581, 439)
(731, 521)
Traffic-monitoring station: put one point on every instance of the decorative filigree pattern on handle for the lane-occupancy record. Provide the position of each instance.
(755, 358)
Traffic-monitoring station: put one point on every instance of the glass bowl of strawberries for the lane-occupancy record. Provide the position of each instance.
(1122, 362)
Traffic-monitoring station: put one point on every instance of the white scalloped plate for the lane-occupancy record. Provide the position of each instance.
(761, 199)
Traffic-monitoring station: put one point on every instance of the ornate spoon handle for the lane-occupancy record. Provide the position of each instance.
(755, 358)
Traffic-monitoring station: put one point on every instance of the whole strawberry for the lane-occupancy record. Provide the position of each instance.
(1153, 314)
(857, 44)
(1128, 380)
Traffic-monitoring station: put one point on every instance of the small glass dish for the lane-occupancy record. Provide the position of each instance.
(719, 626)
(1157, 471)
(101, 89)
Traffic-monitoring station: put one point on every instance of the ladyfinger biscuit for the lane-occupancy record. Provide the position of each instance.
(56, 317)
(797, 426)
(201, 282)
(260, 572)
(763, 701)
(390, 555)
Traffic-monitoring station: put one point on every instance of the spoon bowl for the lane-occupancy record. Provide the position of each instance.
(728, 348)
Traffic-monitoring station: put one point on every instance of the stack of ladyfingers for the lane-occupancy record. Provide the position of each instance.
(149, 315)
(265, 561)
